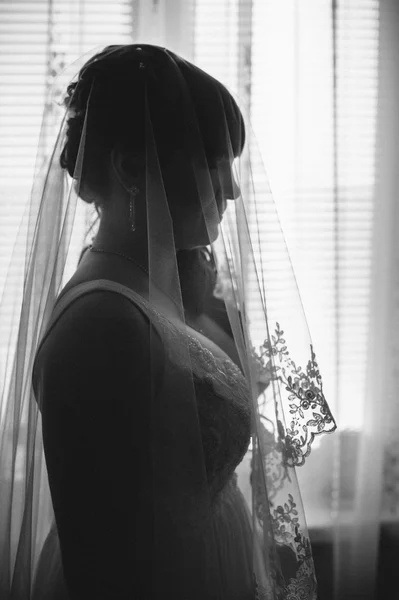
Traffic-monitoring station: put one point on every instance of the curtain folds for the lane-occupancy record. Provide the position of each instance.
(372, 466)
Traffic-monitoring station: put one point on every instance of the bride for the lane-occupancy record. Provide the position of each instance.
(148, 405)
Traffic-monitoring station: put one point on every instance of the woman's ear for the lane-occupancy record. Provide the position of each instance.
(128, 169)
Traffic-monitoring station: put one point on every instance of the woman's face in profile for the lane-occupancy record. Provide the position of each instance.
(196, 223)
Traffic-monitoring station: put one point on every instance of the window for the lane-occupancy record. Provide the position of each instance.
(315, 124)
(36, 40)
(309, 77)
(317, 138)
(30, 34)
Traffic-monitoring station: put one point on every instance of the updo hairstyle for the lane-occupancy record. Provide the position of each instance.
(115, 81)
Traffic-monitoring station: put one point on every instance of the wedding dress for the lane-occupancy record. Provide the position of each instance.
(223, 407)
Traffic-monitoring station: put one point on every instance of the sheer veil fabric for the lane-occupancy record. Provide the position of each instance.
(174, 109)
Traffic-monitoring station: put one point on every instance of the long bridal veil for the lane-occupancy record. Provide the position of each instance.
(168, 105)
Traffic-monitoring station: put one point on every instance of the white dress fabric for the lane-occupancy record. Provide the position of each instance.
(224, 415)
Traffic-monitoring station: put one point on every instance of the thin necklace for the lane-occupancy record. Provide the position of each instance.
(92, 249)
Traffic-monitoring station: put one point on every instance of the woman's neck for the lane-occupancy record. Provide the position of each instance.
(104, 265)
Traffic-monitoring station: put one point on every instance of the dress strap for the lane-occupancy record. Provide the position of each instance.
(85, 288)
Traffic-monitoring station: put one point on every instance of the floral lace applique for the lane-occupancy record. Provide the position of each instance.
(311, 415)
(302, 587)
(291, 558)
(291, 541)
(277, 452)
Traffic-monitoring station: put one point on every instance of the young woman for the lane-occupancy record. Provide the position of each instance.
(148, 404)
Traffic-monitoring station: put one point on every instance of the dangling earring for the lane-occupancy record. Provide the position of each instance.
(133, 191)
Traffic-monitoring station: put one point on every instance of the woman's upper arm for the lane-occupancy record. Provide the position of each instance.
(96, 382)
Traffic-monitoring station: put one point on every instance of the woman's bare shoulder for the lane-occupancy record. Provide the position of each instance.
(97, 304)
(101, 331)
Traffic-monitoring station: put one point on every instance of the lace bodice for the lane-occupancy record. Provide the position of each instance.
(176, 532)
(224, 414)
(221, 389)
(223, 401)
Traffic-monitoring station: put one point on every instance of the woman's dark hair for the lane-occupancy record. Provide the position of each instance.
(116, 119)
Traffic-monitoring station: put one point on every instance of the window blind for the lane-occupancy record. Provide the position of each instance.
(314, 110)
(30, 34)
(313, 81)
(37, 39)
(315, 125)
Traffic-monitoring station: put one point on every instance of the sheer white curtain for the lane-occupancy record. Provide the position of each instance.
(376, 473)
(387, 245)
(321, 80)
(382, 408)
